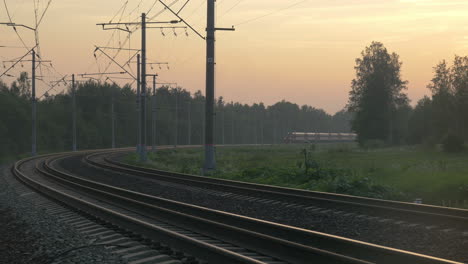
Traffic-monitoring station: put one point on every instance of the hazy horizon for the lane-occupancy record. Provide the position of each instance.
(304, 54)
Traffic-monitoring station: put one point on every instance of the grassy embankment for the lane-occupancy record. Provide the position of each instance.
(402, 173)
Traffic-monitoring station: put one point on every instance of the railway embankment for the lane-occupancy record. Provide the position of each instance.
(29, 234)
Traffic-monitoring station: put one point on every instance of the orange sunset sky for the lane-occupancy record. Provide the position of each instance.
(304, 54)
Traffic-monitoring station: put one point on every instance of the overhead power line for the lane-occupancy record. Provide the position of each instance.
(271, 13)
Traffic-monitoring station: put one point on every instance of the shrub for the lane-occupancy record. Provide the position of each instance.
(452, 143)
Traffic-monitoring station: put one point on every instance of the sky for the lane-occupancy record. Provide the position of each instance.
(299, 51)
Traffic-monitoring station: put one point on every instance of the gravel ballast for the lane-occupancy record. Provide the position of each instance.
(30, 235)
(444, 243)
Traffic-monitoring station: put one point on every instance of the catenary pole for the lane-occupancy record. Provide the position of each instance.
(210, 162)
(74, 112)
(232, 126)
(143, 88)
(153, 116)
(138, 146)
(176, 126)
(34, 101)
(113, 116)
(223, 125)
(189, 124)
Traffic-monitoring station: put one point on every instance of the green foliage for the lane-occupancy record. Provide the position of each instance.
(377, 97)
(452, 143)
(235, 122)
(420, 123)
(443, 118)
(362, 186)
(306, 167)
(402, 173)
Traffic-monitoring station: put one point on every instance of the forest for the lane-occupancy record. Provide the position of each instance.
(378, 110)
(179, 118)
(382, 109)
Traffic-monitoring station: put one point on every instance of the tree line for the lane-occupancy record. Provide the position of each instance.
(179, 118)
(381, 108)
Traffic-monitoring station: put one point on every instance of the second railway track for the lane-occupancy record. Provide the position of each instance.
(211, 235)
(435, 215)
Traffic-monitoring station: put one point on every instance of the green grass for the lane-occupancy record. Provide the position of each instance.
(402, 173)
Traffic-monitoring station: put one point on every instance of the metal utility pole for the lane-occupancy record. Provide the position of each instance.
(138, 146)
(33, 99)
(232, 127)
(153, 116)
(210, 163)
(74, 112)
(222, 128)
(189, 123)
(143, 88)
(141, 78)
(255, 130)
(261, 127)
(113, 117)
(176, 125)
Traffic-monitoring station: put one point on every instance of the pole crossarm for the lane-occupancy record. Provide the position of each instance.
(53, 86)
(27, 60)
(139, 23)
(181, 19)
(168, 27)
(117, 28)
(99, 73)
(18, 61)
(14, 25)
(226, 29)
(115, 48)
(103, 52)
(126, 24)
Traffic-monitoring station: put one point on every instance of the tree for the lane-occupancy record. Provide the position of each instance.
(442, 100)
(376, 94)
(420, 123)
(449, 88)
(459, 77)
(238, 123)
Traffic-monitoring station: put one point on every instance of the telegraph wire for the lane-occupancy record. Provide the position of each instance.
(196, 9)
(271, 13)
(14, 28)
(163, 10)
(232, 7)
(43, 13)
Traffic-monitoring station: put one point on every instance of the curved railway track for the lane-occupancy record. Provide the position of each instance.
(207, 234)
(432, 215)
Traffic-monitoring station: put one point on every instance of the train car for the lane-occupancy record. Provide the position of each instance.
(312, 137)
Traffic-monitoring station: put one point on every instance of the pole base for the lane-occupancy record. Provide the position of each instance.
(210, 162)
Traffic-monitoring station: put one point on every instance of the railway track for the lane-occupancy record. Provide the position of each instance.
(207, 234)
(434, 216)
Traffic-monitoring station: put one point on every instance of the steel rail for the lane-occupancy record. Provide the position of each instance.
(187, 244)
(318, 241)
(218, 226)
(418, 212)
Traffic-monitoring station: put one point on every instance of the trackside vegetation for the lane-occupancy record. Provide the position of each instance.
(397, 173)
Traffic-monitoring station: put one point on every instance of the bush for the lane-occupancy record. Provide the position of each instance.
(452, 143)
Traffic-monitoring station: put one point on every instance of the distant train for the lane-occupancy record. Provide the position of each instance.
(308, 137)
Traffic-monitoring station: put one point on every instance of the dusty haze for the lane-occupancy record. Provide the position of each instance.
(304, 54)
